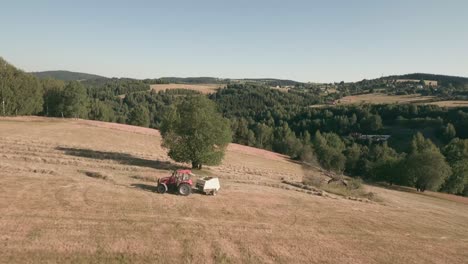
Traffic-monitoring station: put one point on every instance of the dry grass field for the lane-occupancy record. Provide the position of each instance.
(52, 211)
(202, 88)
(380, 98)
(454, 103)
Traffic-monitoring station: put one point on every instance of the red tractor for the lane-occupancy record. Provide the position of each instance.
(180, 181)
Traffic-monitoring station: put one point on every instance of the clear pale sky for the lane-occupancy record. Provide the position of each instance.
(301, 40)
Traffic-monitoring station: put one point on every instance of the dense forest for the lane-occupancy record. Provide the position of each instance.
(427, 146)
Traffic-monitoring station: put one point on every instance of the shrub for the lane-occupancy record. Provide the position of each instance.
(355, 184)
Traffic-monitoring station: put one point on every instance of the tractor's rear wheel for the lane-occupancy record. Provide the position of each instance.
(185, 189)
(161, 188)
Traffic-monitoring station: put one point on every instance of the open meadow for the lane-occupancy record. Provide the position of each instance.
(84, 192)
(449, 104)
(380, 98)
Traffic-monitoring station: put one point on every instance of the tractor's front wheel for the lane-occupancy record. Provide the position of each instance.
(185, 189)
(161, 188)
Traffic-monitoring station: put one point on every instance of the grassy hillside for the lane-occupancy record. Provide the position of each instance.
(67, 75)
(379, 98)
(191, 80)
(83, 191)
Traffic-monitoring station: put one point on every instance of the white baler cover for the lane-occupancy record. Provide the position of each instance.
(209, 183)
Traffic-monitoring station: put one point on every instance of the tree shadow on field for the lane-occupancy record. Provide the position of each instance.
(395, 187)
(122, 158)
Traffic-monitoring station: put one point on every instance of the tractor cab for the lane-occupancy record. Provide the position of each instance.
(180, 181)
(182, 175)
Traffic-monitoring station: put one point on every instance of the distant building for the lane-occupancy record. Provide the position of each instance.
(430, 83)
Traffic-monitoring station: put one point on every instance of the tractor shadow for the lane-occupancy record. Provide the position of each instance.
(144, 187)
(122, 158)
(152, 188)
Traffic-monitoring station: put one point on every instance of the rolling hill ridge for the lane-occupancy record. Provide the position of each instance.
(67, 75)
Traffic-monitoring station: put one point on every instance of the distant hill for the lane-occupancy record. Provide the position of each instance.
(273, 82)
(67, 75)
(192, 80)
(444, 80)
(205, 80)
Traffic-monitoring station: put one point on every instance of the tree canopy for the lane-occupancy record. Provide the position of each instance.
(75, 101)
(457, 156)
(329, 149)
(139, 116)
(195, 132)
(426, 167)
(20, 92)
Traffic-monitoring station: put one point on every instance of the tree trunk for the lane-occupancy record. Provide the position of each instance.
(196, 165)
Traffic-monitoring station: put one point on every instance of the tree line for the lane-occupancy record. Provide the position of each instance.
(285, 123)
(424, 138)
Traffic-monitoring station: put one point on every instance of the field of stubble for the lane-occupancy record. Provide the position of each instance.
(52, 211)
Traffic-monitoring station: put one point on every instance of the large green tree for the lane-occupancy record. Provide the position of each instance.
(53, 91)
(425, 166)
(74, 101)
(329, 151)
(20, 93)
(195, 132)
(456, 153)
(353, 154)
(386, 164)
